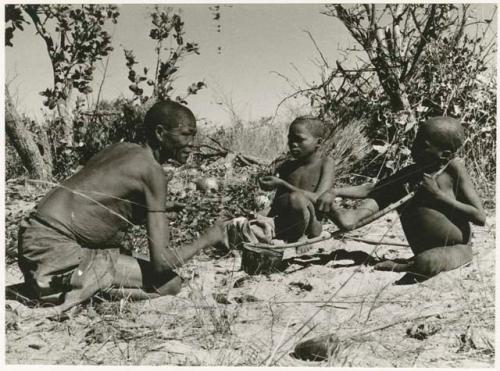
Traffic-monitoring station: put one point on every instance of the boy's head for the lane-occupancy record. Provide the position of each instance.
(170, 128)
(437, 140)
(305, 136)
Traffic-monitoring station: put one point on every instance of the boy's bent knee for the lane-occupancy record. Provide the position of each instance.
(298, 200)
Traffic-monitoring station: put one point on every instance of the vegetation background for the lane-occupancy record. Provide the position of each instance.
(406, 62)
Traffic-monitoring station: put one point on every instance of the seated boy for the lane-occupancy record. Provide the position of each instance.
(436, 220)
(69, 248)
(300, 182)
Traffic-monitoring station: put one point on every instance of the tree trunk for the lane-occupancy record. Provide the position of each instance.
(66, 118)
(24, 144)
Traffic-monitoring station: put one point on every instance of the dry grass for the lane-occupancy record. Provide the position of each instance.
(347, 145)
(361, 307)
(263, 139)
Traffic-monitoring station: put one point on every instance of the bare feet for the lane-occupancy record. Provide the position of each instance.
(304, 248)
(391, 266)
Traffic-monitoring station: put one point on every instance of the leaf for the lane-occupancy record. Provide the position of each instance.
(381, 149)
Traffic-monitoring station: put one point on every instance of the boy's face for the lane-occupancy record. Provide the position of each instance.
(301, 142)
(177, 143)
(424, 151)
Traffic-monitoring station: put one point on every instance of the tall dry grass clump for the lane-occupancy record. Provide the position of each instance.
(347, 144)
(263, 138)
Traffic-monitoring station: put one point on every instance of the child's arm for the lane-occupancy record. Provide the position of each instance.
(359, 191)
(467, 202)
(326, 200)
(325, 183)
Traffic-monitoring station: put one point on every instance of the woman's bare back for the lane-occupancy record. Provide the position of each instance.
(104, 197)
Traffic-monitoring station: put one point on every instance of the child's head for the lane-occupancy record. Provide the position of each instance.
(170, 127)
(305, 136)
(438, 139)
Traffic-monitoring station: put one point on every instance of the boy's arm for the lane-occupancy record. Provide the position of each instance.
(359, 191)
(164, 258)
(467, 202)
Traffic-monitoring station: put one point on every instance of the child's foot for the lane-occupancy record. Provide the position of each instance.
(304, 248)
(390, 266)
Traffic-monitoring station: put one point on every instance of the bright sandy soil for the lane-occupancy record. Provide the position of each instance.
(260, 321)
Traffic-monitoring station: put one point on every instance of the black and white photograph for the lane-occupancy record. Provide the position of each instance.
(250, 184)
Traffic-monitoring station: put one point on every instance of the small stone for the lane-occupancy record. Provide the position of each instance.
(221, 298)
(317, 349)
(423, 330)
(302, 286)
(246, 299)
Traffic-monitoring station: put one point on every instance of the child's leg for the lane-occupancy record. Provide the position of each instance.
(431, 262)
(441, 259)
(314, 228)
(296, 218)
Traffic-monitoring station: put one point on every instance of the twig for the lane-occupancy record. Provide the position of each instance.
(100, 87)
(398, 322)
(317, 48)
(246, 159)
(373, 242)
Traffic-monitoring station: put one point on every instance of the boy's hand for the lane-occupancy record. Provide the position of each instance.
(326, 201)
(268, 183)
(430, 185)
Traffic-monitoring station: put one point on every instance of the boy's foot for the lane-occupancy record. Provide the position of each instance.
(409, 279)
(391, 266)
(316, 247)
(304, 248)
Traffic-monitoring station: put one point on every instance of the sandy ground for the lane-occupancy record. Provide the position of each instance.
(223, 316)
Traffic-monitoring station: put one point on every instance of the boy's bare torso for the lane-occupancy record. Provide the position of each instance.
(105, 197)
(427, 223)
(304, 176)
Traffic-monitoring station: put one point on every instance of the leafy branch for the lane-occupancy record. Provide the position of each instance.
(168, 27)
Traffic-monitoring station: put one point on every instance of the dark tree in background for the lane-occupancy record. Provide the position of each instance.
(75, 39)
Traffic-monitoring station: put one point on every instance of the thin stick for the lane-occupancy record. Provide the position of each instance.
(373, 242)
(100, 88)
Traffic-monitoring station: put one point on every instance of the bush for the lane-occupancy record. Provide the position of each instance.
(112, 122)
(412, 75)
(263, 139)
